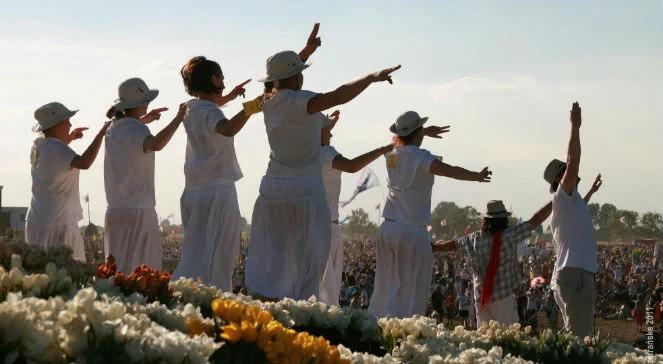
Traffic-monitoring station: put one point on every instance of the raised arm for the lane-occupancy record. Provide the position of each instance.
(570, 179)
(348, 91)
(598, 182)
(158, 142)
(312, 43)
(231, 127)
(356, 164)
(540, 216)
(85, 160)
(440, 168)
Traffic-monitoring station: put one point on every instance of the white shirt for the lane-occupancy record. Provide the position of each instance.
(573, 233)
(210, 157)
(128, 170)
(55, 196)
(410, 185)
(332, 179)
(293, 134)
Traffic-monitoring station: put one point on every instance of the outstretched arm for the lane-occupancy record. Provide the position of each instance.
(231, 127)
(570, 179)
(356, 164)
(158, 142)
(85, 160)
(348, 91)
(440, 168)
(312, 43)
(598, 182)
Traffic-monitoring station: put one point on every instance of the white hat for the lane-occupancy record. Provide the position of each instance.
(408, 122)
(283, 65)
(51, 115)
(133, 93)
(495, 208)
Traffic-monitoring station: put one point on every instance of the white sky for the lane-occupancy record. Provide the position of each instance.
(503, 74)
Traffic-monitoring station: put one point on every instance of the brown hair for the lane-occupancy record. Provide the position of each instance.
(114, 114)
(406, 140)
(494, 224)
(197, 76)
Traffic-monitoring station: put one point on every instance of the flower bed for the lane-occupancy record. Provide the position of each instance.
(46, 316)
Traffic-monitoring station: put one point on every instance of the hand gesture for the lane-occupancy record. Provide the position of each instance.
(435, 131)
(77, 133)
(484, 175)
(385, 75)
(181, 111)
(576, 117)
(239, 90)
(153, 115)
(333, 117)
(598, 182)
(314, 41)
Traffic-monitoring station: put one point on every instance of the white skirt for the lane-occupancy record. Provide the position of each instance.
(290, 238)
(46, 236)
(212, 224)
(330, 287)
(404, 270)
(133, 238)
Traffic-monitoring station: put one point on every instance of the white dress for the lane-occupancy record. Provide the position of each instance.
(290, 229)
(403, 252)
(132, 232)
(209, 207)
(330, 287)
(55, 207)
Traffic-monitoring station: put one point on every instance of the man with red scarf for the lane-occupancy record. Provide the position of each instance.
(493, 260)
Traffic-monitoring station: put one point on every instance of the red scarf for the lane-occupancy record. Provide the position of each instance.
(491, 272)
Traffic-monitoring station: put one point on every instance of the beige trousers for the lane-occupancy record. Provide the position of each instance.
(576, 297)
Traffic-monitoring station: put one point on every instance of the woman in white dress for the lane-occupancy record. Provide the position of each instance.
(55, 207)
(209, 207)
(290, 229)
(132, 233)
(333, 164)
(403, 252)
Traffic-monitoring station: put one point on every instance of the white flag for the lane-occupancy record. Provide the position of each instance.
(367, 180)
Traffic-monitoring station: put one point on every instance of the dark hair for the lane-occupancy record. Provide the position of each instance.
(494, 224)
(408, 139)
(269, 86)
(197, 75)
(114, 114)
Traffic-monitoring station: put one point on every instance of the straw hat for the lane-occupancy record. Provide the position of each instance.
(554, 168)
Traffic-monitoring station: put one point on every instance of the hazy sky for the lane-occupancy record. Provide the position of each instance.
(502, 74)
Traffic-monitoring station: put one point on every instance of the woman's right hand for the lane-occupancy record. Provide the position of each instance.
(385, 74)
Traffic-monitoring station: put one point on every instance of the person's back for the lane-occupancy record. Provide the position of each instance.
(128, 169)
(210, 157)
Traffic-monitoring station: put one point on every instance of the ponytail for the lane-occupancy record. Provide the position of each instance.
(114, 114)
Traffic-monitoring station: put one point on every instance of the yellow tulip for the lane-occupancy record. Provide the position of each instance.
(232, 333)
(249, 332)
(194, 327)
(264, 317)
(217, 308)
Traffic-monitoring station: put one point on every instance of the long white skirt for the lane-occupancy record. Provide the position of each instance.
(330, 287)
(133, 238)
(290, 238)
(404, 270)
(47, 236)
(212, 224)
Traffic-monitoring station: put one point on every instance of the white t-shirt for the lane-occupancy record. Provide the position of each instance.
(128, 170)
(332, 179)
(573, 233)
(210, 157)
(410, 185)
(293, 134)
(55, 196)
